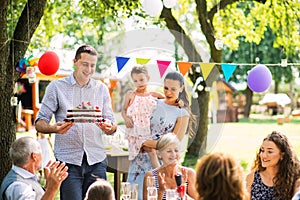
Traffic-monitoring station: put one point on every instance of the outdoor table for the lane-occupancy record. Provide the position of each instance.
(118, 164)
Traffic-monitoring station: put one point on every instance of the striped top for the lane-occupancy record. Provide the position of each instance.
(154, 172)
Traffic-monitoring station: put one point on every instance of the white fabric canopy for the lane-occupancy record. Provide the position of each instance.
(281, 99)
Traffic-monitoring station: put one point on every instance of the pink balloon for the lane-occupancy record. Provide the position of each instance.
(48, 63)
(259, 78)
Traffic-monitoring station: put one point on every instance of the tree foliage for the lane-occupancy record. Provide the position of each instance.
(251, 20)
(264, 52)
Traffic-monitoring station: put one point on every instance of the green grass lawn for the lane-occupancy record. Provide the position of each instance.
(244, 138)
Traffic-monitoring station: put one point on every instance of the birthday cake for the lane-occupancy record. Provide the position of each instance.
(85, 113)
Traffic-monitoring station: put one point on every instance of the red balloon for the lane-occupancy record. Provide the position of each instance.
(48, 63)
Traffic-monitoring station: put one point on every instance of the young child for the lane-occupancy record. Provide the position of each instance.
(100, 189)
(137, 110)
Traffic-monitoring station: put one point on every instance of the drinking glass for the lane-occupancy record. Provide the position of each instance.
(151, 181)
(134, 191)
(152, 193)
(126, 190)
(171, 194)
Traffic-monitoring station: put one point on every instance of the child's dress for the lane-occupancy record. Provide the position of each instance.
(140, 111)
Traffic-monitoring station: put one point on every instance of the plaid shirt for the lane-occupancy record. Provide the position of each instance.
(64, 94)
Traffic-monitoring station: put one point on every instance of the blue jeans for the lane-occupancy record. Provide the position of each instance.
(138, 167)
(137, 180)
(75, 186)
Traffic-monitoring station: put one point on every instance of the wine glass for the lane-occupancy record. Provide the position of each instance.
(126, 190)
(151, 181)
(171, 194)
(152, 193)
(134, 191)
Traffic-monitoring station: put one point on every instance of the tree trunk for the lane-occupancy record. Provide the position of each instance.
(180, 36)
(276, 87)
(11, 51)
(7, 131)
(198, 145)
(247, 109)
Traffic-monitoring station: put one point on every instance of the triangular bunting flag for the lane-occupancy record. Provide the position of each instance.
(142, 61)
(228, 70)
(206, 69)
(121, 61)
(184, 67)
(162, 66)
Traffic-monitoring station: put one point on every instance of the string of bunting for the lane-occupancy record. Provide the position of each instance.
(227, 68)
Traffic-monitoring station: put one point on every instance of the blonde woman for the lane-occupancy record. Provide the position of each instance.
(168, 151)
(219, 177)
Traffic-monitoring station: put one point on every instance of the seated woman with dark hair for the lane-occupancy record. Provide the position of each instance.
(276, 170)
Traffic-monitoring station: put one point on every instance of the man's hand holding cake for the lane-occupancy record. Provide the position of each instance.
(107, 126)
(58, 127)
(62, 127)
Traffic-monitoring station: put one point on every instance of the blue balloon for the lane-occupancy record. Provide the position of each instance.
(259, 78)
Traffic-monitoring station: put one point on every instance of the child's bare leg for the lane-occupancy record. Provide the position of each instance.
(153, 159)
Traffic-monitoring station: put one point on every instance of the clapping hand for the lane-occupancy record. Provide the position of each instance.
(56, 173)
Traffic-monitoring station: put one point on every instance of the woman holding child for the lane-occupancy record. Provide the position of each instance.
(166, 117)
